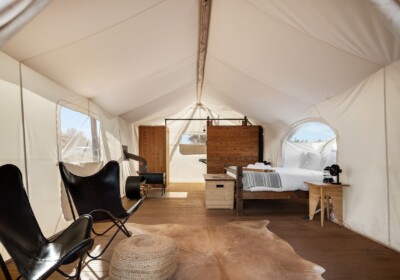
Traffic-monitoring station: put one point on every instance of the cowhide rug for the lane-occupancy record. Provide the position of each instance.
(236, 250)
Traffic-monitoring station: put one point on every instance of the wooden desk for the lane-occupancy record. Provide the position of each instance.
(319, 190)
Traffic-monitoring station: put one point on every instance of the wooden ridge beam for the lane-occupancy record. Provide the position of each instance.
(205, 14)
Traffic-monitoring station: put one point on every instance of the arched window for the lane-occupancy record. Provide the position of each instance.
(310, 145)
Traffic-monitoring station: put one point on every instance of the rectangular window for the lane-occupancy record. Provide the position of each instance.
(79, 137)
(193, 144)
(194, 138)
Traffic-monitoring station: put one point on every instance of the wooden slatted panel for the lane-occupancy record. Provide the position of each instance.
(153, 146)
(232, 145)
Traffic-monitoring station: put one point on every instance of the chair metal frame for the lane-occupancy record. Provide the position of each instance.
(119, 217)
(35, 256)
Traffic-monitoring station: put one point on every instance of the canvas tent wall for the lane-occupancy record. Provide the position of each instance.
(190, 121)
(29, 129)
(367, 122)
(334, 60)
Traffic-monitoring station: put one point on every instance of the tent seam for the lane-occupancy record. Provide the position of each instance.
(387, 153)
(185, 85)
(236, 101)
(23, 129)
(163, 71)
(168, 94)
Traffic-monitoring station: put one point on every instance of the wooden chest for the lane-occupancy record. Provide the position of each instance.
(219, 192)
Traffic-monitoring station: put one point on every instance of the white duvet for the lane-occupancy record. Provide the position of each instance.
(292, 179)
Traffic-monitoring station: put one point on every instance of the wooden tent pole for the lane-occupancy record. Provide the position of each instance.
(205, 13)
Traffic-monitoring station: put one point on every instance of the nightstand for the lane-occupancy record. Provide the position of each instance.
(324, 192)
(219, 191)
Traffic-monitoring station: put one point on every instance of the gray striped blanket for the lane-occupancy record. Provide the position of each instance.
(261, 179)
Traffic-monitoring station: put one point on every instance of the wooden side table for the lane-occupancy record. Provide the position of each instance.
(319, 190)
(219, 191)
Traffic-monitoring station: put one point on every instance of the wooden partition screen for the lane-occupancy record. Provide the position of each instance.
(233, 145)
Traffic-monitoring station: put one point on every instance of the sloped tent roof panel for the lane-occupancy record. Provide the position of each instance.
(166, 83)
(162, 107)
(114, 52)
(247, 94)
(285, 54)
(355, 27)
(298, 56)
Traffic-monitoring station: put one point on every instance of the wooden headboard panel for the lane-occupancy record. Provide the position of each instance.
(233, 145)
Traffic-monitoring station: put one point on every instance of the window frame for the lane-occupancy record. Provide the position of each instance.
(95, 132)
(294, 127)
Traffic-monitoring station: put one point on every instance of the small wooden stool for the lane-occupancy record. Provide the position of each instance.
(144, 256)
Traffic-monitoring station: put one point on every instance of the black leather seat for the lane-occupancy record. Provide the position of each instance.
(99, 196)
(35, 256)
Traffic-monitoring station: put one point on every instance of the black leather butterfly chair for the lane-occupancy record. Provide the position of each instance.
(99, 196)
(35, 256)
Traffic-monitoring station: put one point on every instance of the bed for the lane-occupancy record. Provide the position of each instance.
(271, 183)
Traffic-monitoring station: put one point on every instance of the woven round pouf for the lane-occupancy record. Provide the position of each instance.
(144, 256)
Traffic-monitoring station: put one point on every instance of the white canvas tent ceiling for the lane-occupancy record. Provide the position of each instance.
(271, 60)
(280, 62)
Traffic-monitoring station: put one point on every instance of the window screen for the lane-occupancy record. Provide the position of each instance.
(193, 144)
(79, 137)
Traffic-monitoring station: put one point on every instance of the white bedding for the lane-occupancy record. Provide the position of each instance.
(292, 179)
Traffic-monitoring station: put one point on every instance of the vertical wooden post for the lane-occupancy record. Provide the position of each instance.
(244, 122)
(205, 15)
(239, 190)
(209, 121)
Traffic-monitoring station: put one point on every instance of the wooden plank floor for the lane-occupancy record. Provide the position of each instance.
(343, 253)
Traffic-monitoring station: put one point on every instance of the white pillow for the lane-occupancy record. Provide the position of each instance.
(303, 158)
(259, 166)
(324, 160)
(313, 161)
